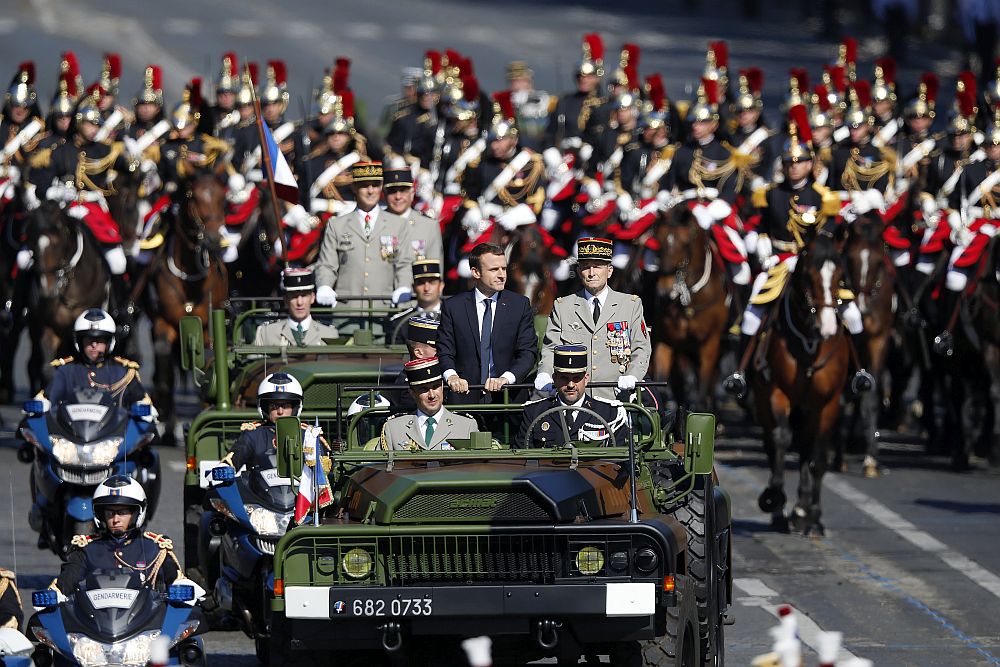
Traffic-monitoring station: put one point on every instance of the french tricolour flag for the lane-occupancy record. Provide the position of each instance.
(311, 445)
(284, 182)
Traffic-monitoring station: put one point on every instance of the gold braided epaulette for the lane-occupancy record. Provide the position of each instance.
(61, 362)
(127, 363)
(249, 426)
(81, 540)
(162, 541)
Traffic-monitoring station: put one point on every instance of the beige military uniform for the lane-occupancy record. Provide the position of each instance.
(618, 344)
(354, 265)
(280, 333)
(425, 236)
(403, 432)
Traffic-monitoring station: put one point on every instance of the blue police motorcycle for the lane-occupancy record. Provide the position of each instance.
(74, 446)
(247, 515)
(113, 618)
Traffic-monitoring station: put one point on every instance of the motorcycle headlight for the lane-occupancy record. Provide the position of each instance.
(220, 506)
(86, 651)
(133, 652)
(268, 523)
(69, 453)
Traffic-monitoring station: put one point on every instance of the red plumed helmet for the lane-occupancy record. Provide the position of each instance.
(453, 57)
(966, 102)
(114, 62)
(655, 91)
(470, 88)
(502, 98)
(968, 79)
(195, 88)
(711, 87)
(837, 77)
(254, 72)
(229, 57)
(432, 60)
(849, 51)
(593, 46)
(72, 64)
(801, 76)
(280, 73)
(157, 77)
(347, 103)
(755, 79)
(630, 55)
(26, 72)
(931, 84)
(888, 67)
(799, 115)
(69, 81)
(341, 74)
(863, 90)
(721, 51)
(822, 98)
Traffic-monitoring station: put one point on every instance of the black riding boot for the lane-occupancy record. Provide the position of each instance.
(862, 380)
(944, 342)
(736, 384)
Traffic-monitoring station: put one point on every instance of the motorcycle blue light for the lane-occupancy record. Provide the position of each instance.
(223, 474)
(180, 593)
(34, 407)
(46, 598)
(141, 410)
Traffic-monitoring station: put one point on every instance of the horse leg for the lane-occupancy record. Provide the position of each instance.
(813, 441)
(773, 415)
(164, 337)
(869, 404)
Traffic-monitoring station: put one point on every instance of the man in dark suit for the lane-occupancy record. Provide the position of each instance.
(570, 377)
(487, 335)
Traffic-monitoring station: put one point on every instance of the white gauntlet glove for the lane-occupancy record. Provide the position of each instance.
(764, 251)
(719, 209)
(627, 382)
(517, 216)
(325, 296)
(543, 383)
(402, 295)
(299, 219)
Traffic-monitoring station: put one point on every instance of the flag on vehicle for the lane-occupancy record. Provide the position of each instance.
(285, 185)
(311, 444)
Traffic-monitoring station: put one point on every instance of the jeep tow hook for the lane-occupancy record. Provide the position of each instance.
(548, 634)
(392, 638)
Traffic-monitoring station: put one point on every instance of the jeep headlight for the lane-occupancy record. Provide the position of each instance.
(357, 563)
(69, 453)
(590, 560)
(267, 523)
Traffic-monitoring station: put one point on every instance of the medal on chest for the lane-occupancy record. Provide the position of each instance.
(389, 247)
(619, 344)
(419, 246)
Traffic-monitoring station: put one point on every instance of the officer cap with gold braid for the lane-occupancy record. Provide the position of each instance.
(363, 172)
(422, 371)
(422, 330)
(298, 280)
(595, 249)
(398, 177)
(426, 268)
(569, 359)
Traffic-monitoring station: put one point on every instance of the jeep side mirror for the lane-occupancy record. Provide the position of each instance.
(289, 444)
(192, 343)
(699, 446)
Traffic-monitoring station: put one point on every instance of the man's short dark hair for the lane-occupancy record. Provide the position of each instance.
(483, 249)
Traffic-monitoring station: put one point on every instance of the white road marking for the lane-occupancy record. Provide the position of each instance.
(761, 595)
(920, 539)
(181, 26)
(7, 26)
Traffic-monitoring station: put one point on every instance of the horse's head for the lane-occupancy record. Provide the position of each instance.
(123, 203)
(817, 277)
(204, 212)
(56, 243)
(865, 254)
(679, 235)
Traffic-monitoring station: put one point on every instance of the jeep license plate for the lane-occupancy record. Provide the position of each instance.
(378, 607)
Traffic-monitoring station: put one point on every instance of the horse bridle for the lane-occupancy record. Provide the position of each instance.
(197, 244)
(680, 290)
(65, 270)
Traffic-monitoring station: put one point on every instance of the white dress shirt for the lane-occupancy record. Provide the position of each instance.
(602, 298)
(373, 214)
(306, 323)
(422, 420)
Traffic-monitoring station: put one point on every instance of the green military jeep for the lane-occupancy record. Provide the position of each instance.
(228, 379)
(562, 551)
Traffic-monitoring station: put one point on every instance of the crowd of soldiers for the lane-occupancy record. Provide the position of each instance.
(457, 166)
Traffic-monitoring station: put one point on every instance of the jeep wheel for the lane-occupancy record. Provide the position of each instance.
(680, 646)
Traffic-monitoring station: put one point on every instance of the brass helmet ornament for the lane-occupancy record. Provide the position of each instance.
(751, 86)
(111, 71)
(503, 123)
(89, 110)
(343, 115)
(717, 66)
(244, 97)
(655, 110)
(592, 62)
(993, 131)
(152, 86)
(706, 107)
(628, 66)
(21, 92)
(923, 104)
(798, 88)
(67, 93)
(630, 97)
(835, 81)
(798, 147)
(820, 112)
(334, 84)
(429, 81)
(229, 74)
(274, 90)
(884, 89)
(188, 111)
(963, 117)
(859, 111)
(466, 108)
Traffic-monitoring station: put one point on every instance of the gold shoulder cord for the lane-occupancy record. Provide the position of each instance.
(116, 387)
(855, 174)
(85, 167)
(512, 197)
(799, 223)
(699, 173)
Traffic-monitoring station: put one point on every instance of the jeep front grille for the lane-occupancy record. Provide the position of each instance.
(471, 506)
(414, 559)
(82, 476)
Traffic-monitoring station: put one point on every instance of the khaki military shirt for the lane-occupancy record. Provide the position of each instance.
(404, 433)
(281, 333)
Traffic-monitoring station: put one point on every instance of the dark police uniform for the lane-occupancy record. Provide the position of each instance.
(549, 432)
(253, 448)
(150, 554)
(11, 614)
(117, 376)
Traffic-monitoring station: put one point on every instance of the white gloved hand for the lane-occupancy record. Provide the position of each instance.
(299, 219)
(704, 218)
(719, 209)
(236, 182)
(627, 382)
(764, 250)
(147, 166)
(31, 200)
(255, 176)
(543, 383)
(929, 208)
(12, 173)
(517, 216)
(472, 220)
(402, 295)
(586, 150)
(152, 181)
(132, 148)
(78, 212)
(563, 270)
(491, 210)
(592, 188)
(664, 200)
(550, 218)
(552, 158)
(625, 203)
(463, 268)
(25, 258)
(55, 192)
(325, 296)
(571, 143)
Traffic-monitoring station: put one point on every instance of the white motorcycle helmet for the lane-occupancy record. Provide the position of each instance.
(361, 403)
(94, 323)
(119, 490)
(279, 386)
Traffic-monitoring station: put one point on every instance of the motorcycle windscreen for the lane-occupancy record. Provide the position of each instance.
(270, 490)
(94, 414)
(110, 606)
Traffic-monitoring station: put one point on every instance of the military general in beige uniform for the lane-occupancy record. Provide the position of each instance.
(425, 233)
(299, 328)
(433, 425)
(609, 323)
(366, 251)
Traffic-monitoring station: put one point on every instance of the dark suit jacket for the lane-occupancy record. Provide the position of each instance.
(515, 345)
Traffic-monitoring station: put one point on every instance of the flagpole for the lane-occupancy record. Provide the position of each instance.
(268, 167)
(317, 469)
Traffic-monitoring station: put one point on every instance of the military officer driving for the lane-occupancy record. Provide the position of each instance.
(609, 324)
(432, 424)
(299, 328)
(570, 378)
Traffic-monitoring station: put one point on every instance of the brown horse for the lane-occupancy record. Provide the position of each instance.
(71, 277)
(529, 266)
(690, 309)
(797, 390)
(257, 270)
(872, 276)
(190, 279)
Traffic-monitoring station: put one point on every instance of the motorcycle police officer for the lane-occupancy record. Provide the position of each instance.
(120, 514)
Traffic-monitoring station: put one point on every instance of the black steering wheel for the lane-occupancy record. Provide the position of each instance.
(563, 409)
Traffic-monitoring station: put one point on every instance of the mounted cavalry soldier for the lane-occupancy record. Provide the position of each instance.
(414, 127)
(225, 117)
(116, 117)
(21, 128)
(791, 213)
(532, 106)
(432, 424)
(58, 125)
(573, 111)
(754, 152)
(609, 324)
(365, 251)
(570, 377)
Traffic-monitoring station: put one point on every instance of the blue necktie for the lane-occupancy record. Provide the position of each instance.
(486, 344)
